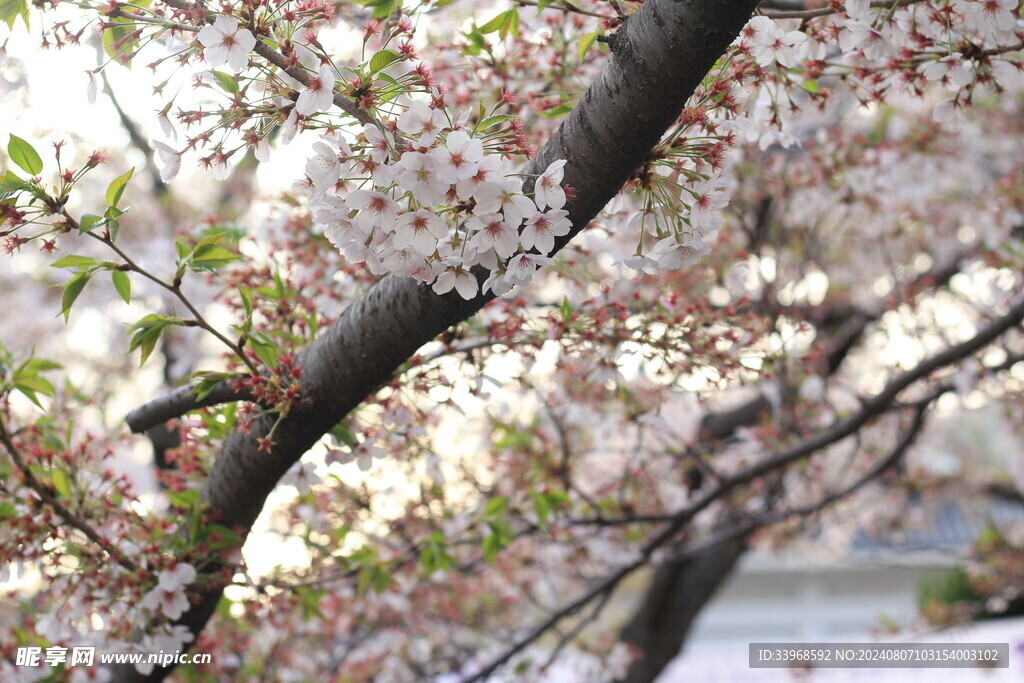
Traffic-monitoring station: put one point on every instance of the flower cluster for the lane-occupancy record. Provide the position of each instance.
(681, 226)
(441, 207)
(900, 49)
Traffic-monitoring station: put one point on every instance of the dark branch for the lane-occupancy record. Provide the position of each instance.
(667, 49)
(179, 402)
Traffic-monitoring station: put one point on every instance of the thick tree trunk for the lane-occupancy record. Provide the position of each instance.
(678, 592)
(661, 54)
(680, 589)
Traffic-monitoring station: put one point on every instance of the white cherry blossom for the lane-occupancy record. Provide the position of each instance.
(380, 143)
(673, 255)
(709, 197)
(93, 88)
(858, 9)
(857, 35)
(522, 267)
(952, 67)
(318, 94)
(422, 122)
(548, 191)
(497, 283)
(772, 44)
(417, 173)
(506, 196)
(338, 228)
(225, 43)
(490, 169)
(404, 261)
(323, 168)
(542, 229)
(262, 151)
(366, 452)
(461, 280)
(376, 209)
(459, 157)
(421, 230)
(170, 161)
(290, 127)
(988, 16)
(492, 232)
(168, 596)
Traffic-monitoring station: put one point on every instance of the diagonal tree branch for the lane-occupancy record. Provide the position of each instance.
(660, 55)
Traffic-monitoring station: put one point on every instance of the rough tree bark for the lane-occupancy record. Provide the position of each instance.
(660, 55)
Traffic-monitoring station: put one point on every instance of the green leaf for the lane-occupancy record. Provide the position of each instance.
(491, 121)
(72, 289)
(116, 187)
(264, 347)
(24, 155)
(10, 182)
(147, 333)
(491, 548)
(310, 601)
(30, 385)
(10, 10)
(226, 81)
(376, 577)
(246, 294)
(208, 381)
(585, 42)
(211, 256)
(122, 284)
(500, 537)
(343, 435)
(61, 482)
(510, 27)
(542, 506)
(496, 506)
(476, 43)
(73, 261)
(381, 8)
(37, 365)
(90, 222)
(384, 59)
(558, 497)
(183, 499)
(494, 24)
(557, 111)
(434, 555)
(566, 310)
(34, 383)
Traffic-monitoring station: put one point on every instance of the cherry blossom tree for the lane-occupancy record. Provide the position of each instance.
(563, 292)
